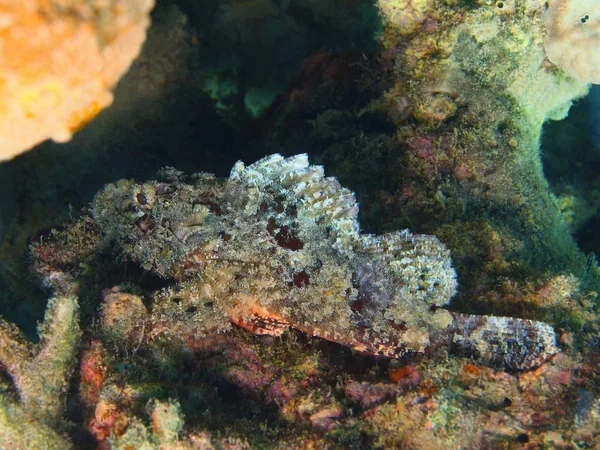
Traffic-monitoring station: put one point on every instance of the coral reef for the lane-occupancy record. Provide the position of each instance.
(440, 133)
(59, 61)
(289, 391)
(33, 418)
(437, 131)
(277, 245)
(473, 165)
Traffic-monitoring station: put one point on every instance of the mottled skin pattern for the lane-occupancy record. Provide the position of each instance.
(277, 245)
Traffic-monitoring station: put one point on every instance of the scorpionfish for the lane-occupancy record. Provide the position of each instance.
(278, 245)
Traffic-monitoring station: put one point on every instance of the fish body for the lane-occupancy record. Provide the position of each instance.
(278, 245)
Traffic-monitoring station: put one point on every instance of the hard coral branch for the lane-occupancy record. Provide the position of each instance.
(40, 374)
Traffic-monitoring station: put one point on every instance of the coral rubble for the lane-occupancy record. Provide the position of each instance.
(167, 432)
(59, 61)
(278, 245)
(40, 374)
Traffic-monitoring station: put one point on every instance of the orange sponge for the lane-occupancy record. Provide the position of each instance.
(59, 60)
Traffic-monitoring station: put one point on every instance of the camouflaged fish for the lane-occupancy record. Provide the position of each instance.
(277, 245)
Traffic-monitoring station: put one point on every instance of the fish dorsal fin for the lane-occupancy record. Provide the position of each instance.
(317, 198)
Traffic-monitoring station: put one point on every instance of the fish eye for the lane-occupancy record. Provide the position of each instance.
(144, 196)
(141, 198)
(584, 18)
